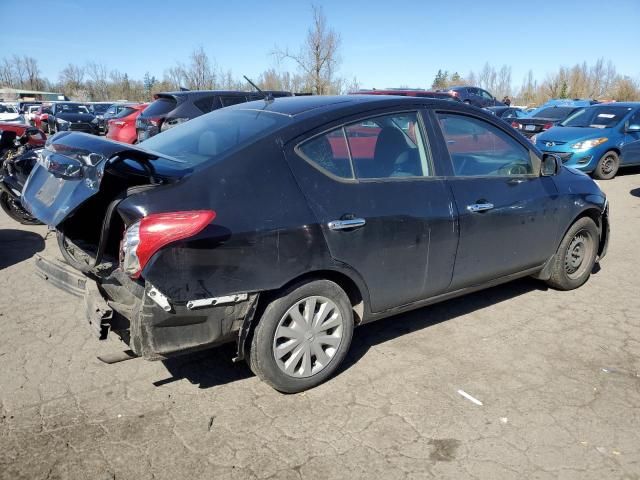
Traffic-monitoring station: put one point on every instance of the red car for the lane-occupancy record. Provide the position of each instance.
(35, 136)
(122, 128)
(40, 119)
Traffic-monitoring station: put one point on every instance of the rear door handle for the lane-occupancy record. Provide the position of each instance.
(479, 207)
(346, 224)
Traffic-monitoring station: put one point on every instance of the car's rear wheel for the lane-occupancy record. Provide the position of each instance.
(607, 166)
(576, 256)
(12, 207)
(302, 336)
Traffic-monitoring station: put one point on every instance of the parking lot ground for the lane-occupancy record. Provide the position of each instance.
(557, 375)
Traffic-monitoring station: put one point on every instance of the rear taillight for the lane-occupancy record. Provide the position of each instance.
(547, 126)
(118, 123)
(516, 125)
(172, 122)
(454, 93)
(145, 237)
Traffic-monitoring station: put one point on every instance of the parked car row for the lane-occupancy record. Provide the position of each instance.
(282, 224)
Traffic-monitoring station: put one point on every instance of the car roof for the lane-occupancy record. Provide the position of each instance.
(618, 104)
(293, 106)
(197, 93)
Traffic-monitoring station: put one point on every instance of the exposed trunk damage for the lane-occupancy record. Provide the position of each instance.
(77, 186)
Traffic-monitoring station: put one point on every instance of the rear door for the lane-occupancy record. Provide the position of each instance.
(507, 211)
(370, 183)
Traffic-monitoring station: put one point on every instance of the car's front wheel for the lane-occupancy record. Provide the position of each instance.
(302, 336)
(607, 166)
(576, 255)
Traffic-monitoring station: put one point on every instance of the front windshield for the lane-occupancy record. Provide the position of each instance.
(100, 107)
(209, 136)
(72, 108)
(554, 113)
(7, 109)
(597, 117)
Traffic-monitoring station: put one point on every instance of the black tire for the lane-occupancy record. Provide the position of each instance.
(576, 256)
(607, 166)
(262, 354)
(74, 256)
(12, 208)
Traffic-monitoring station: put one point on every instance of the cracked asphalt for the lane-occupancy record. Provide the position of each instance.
(557, 373)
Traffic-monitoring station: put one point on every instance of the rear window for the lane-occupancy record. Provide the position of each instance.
(161, 106)
(555, 113)
(126, 111)
(208, 137)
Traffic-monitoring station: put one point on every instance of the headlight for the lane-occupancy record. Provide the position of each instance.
(94, 121)
(587, 144)
(61, 121)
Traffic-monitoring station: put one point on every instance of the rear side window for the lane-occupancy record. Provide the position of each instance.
(478, 148)
(161, 106)
(232, 100)
(389, 146)
(206, 104)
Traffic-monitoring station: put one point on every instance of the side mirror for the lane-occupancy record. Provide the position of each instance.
(550, 165)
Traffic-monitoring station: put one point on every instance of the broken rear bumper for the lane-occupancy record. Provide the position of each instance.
(132, 310)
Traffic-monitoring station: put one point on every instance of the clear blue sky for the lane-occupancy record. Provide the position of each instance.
(384, 43)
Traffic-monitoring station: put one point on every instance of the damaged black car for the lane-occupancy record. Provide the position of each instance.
(282, 224)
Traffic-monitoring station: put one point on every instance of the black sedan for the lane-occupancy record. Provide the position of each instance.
(283, 224)
(543, 119)
(508, 114)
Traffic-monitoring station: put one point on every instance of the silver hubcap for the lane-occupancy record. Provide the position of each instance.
(308, 336)
(577, 257)
(607, 165)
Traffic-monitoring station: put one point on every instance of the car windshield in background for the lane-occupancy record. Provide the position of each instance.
(72, 108)
(100, 107)
(125, 112)
(597, 117)
(207, 137)
(554, 113)
(7, 109)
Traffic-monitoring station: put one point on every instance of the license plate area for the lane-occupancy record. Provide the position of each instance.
(530, 128)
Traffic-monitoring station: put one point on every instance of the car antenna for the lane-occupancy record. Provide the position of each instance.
(268, 97)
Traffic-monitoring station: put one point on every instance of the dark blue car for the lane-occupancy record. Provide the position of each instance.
(282, 224)
(598, 139)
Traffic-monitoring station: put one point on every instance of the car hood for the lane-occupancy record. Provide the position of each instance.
(9, 116)
(75, 117)
(572, 134)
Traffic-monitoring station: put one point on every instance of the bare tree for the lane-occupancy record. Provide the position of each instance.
(98, 81)
(200, 75)
(71, 77)
(318, 58)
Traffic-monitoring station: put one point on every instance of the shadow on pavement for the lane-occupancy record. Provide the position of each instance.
(635, 192)
(628, 171)
(384, 330)
(214, 367)
(17, 246)
(206, 369)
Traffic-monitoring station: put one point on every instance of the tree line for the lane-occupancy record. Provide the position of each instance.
(599, 81)
(312, 68)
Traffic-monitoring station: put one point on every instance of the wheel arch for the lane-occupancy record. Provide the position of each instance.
(354, 288)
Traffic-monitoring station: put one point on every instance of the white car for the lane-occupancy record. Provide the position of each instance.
(30, 114)
(9, 113)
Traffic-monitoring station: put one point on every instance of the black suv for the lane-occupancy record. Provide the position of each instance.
(475, 96)
(71, 116)
(172, 108)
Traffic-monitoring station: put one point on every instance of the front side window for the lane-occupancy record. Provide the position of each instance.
(389, 146)
(478, 148)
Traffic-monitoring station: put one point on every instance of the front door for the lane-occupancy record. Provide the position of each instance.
(370, 185)
(507, 212)
(631, 147)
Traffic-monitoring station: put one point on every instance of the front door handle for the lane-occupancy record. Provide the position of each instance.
(479, 207)
(346, 224)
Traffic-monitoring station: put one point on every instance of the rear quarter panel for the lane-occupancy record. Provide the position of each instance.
(263, 236)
